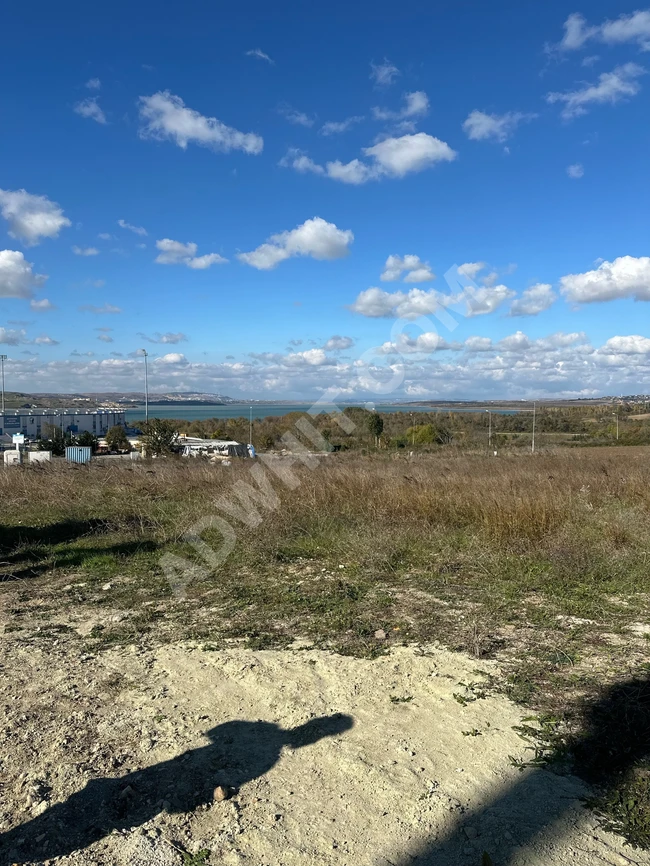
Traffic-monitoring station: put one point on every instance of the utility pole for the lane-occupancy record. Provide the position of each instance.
(412, 432)
(534, 414)
(3, 358)
(616, 416)
(489, 428)
(250, 426)
(146, 385)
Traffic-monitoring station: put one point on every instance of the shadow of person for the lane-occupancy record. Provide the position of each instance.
(239, 752)
(613, 745)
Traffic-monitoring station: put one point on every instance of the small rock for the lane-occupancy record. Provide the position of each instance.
(380, 634)
(107, 586)
(126, 793)
(221, 793)
(471, 832)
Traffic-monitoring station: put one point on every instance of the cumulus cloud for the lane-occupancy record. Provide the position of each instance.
(634, 28)
(137, 230)
(177, 253)
(478, 344)
(383, 74)
(416, 104)
(575, 171)
(44, 340)
(534, 300)
(423, 344)
(257, 52)
(417, 270)
(41, 306)
(630, 345)
(31, 217)
(335, 127)
(17, 280)
(176, 358)
(480, 126)
(165, 117)
(105, 309)
(12, 337)
(625, 277)
(338, 344)
(93, 84)
(298, 118)
(315, 237)
(89, 107)
(376, 303)
(165, 338)
(85, 251)
(105, 338)
(470, 269)
(611, 87)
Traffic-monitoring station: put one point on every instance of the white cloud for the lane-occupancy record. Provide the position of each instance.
(90, 108)
(12, 337)
(44, 340)
(17, 280)
(418, 271)
(85, 251)
(105, 236)
(137, 230)
(425, 344)
(93, 84)
(534, 300)
(575, 171)
(42, 306)
(384, 73)
(31, 217)
(315, 237)
(632, 345)
(518, 342)
(177, 253)
(298, 118)
(105, 309)
(334, 127)
(257, 52)
(478, 344)
(470, 269)
(338, 344)
(487, 299)
(392, 157)
(634, 28)
(416, 104)
(105, 338)
(310, 357)
(168, 338)
(165, 116)
(611, 88)
(625, 277)
(480, 126)
(173, 358)
(376, 303)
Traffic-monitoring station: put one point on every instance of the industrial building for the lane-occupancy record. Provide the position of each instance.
(35, 423)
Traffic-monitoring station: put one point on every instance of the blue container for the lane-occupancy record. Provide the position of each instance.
(78, 453)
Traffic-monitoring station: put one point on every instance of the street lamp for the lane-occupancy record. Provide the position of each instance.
(3, 358)
(146, 385)
(534, 414)
(489, 428)
(615, 414)
(250, 425)
(412, 431)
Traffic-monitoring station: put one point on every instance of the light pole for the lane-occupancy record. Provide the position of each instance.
(412, 431)
(3, 358)
(489, 428)
(250, 425)
(146, 385)
(615, 414)
(534, 414)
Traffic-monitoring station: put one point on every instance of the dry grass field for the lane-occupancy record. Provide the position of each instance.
(539, 562)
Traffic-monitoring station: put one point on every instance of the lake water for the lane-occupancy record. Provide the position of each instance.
(263, 410)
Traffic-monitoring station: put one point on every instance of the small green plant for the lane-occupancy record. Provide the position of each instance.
(395, 699)
(198, 859)
(473, 733)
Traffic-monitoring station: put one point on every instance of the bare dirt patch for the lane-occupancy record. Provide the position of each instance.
(113, 759)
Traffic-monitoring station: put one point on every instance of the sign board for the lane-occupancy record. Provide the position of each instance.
(12, 422)
(18, 438)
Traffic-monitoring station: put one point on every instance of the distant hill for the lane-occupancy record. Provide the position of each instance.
(93, 400)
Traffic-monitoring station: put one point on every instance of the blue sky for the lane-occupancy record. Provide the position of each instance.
(275, 202)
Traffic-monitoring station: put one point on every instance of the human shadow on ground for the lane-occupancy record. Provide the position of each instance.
(612, 750)
(239, 752)
(35, 561)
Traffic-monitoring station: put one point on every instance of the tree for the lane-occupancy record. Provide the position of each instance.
(158, 436)
(88, 439)
(376, 426)
(116, 439)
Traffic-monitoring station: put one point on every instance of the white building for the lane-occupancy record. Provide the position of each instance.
(35, 423)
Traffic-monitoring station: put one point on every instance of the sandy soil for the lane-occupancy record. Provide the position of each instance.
(114, 759)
